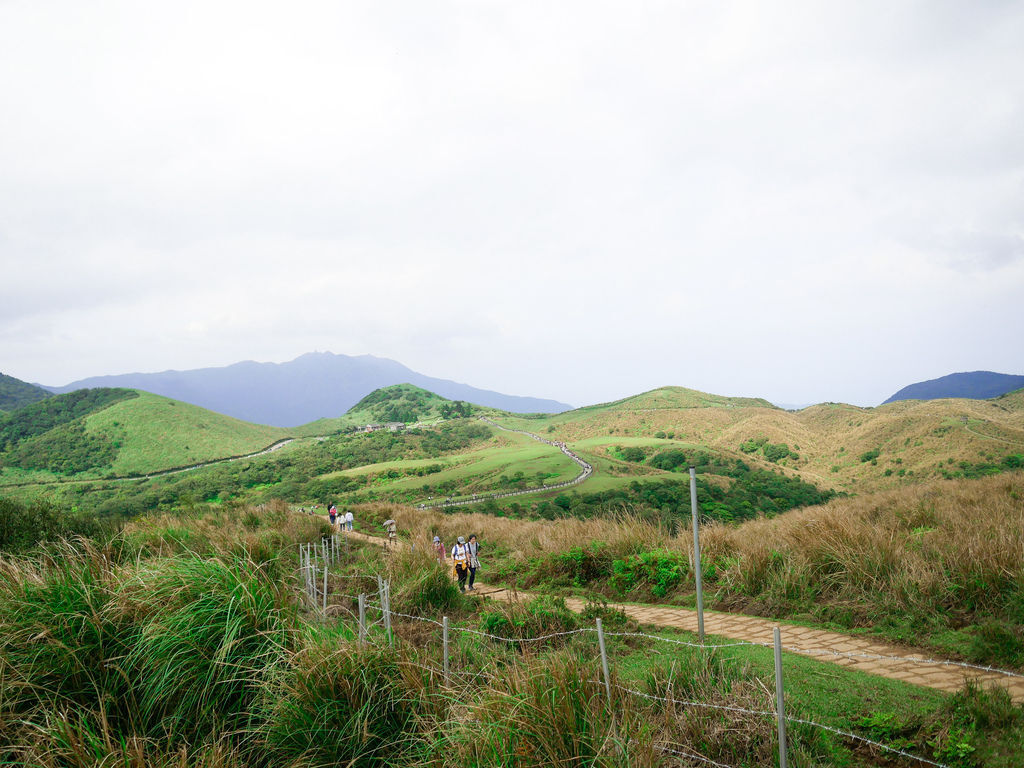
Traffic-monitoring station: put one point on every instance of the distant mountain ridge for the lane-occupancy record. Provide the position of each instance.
(976, 385)
(313, 386)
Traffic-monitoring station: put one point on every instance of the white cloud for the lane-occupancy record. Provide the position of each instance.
(574, 200)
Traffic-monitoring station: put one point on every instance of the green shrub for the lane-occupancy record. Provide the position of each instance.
(544, 615)
(659, 571)
(584, 564)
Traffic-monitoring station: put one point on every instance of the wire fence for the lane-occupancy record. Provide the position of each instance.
(316, 560)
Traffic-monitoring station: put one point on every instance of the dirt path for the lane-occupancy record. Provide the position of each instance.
(899, 663)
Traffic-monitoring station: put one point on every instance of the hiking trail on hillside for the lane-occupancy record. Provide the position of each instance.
(865, 654)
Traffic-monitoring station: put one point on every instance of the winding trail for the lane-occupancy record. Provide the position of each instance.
(172, 471)
(860, 652)
(967, 428)
(586, 470)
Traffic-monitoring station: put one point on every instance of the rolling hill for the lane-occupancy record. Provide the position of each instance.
(831, 445)
(752, 456)
(314, 386)
(117, 432)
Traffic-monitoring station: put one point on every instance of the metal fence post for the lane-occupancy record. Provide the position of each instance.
(604, 662)
(387, 611)
(325, 589)
(362, 619)
(780, 706)
(698, 575)
(444, 634)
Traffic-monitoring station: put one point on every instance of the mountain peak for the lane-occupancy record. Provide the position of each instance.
(314, 385)
(975, 385)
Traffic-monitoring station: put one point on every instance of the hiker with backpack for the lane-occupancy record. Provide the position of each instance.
(460, 556)
(473, 562)
(439, 550)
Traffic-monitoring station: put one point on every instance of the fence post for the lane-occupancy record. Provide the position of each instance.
(305, 572)
(387, 611)
(780, 707)
(325, 589)
(696, 554)
(362, 619)
(604, 662)
(444, 634)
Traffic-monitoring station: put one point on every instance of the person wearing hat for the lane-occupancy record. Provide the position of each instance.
(439, 550)
(460, 556)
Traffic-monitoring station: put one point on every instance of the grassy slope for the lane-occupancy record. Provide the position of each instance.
(477, 470)
(381, 405)
(156, 433)
(915, 436)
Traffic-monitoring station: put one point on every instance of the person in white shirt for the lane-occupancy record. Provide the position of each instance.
(460, 556)
(348, 520)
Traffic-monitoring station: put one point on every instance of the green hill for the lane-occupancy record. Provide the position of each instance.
(397, 404)
(118, 432)
(15, 394)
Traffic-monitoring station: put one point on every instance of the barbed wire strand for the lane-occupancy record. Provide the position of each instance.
(691, 755)
(741, 710)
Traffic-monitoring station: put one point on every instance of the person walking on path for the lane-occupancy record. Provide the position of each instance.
(460, 556)
(332, 512)
(439, 550)
(392, 528)
(473, 547)
(348, 519)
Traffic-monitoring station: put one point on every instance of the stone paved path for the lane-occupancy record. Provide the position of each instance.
(901, 663)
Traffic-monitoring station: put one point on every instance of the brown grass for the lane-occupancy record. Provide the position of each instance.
(955, 546)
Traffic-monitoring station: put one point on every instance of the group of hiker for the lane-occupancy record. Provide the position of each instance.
(340, 521)
(464, 555)
(465, 559)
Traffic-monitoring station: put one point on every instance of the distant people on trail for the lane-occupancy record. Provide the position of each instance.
(348, 519)
(439, 550)
(473, 547)
(460, 556)
(392, 528)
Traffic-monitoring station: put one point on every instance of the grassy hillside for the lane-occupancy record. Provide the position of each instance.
(99, 433)
(400, 403)
(753, 458)
(831, 445)
(155, 433)
(187, 641)
(938, 564)
(15, 394)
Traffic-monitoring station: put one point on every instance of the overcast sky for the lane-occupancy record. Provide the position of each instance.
(576, 200)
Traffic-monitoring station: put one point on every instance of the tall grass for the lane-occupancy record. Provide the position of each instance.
(942, 562)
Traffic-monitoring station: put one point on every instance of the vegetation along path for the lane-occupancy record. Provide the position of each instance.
(859, 652)
(586, 470)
